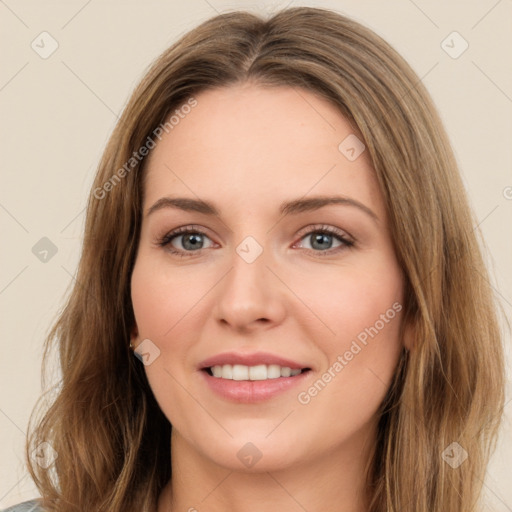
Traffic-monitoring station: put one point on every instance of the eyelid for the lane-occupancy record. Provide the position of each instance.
(332, 230)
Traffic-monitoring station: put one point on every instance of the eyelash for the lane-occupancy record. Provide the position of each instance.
(166, 240)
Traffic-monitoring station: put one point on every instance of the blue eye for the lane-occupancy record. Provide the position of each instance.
(193, 239)
(322, 237)
(323, 240)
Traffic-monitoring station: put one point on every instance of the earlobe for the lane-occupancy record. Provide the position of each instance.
(134, 337)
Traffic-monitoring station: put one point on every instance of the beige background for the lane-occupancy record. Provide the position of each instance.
(58, 113)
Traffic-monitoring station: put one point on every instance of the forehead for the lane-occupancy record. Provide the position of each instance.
(253, 144)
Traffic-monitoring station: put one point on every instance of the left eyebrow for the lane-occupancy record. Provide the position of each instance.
(286, 208)
(317, 202)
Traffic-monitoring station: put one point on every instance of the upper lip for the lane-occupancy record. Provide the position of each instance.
(253, 359)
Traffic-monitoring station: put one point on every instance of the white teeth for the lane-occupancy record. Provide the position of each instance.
(259, 372)
(273, 371)
(240, 372)
(227, 371)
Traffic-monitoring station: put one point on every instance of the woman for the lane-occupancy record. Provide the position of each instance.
(279, 232)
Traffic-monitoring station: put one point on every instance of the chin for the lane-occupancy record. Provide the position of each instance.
(243, 455)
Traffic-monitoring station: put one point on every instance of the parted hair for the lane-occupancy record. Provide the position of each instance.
(112, 440)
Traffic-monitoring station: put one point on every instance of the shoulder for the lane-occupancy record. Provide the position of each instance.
(26, 506)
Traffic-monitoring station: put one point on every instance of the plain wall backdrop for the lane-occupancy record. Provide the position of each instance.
(61, 93)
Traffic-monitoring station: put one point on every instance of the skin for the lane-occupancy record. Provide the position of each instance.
(246, 149)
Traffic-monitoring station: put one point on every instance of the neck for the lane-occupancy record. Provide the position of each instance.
(331, 481)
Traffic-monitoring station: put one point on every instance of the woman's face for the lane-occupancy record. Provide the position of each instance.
(276, 278)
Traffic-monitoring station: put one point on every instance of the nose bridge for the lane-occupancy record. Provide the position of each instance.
(247, 279)
(247, 293)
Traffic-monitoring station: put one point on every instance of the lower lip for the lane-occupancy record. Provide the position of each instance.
(252, 391)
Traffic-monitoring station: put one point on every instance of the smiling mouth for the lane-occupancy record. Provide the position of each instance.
(259, 372)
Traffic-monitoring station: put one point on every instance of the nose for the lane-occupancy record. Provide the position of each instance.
(250, 296)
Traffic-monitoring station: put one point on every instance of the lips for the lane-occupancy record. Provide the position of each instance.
(253, 391)
(252, 378)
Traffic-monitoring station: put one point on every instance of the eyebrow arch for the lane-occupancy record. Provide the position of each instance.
(287, 207)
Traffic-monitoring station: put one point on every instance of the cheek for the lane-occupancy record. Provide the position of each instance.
(163, 305)
(162, 300)
(361, 313)
(348, 301)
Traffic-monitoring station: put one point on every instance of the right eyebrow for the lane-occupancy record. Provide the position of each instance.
(185, 204)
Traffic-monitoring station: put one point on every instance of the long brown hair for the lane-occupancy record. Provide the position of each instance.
(111, 439)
